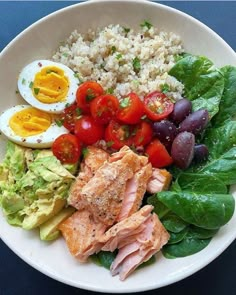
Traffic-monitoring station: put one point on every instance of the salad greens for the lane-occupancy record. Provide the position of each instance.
(199, 196)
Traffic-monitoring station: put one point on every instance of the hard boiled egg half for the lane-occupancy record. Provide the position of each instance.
(47, 85)
(30, 127)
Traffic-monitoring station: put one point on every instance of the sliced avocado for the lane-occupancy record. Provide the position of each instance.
(49, 229)
(41, 211)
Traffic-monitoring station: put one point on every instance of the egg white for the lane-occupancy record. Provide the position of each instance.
(27, 76)
(43, 140)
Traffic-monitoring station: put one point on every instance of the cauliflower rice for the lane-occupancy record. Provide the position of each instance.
(123, 60)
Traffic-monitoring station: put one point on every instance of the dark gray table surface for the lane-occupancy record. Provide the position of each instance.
(16, 277)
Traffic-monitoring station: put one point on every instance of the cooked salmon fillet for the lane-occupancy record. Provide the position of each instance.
(159, 181)
(124, 231)
(82, 234)
(93, 160)
(103, 194)
(134, 192)
(148, 242)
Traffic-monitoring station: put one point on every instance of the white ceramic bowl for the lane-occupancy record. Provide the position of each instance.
(38, 42)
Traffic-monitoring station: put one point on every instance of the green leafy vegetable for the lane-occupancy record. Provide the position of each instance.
(177, 237)
(173, 223)
(146, 24)
(209, 211)
(203, 83)
(228, 100)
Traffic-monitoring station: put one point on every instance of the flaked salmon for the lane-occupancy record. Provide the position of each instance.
(82, 234)
(103, 194)
(124, 231)
(159, 181)
(148, 242)
(134, 192)
(93, 160)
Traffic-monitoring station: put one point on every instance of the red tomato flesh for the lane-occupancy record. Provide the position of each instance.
(157, 106)
(117, 135)
(69, 116)
(67, 148)
(104, 108)
(131, 109)
(86, 93)
(88, 131)
(142, 134)
(158, 155)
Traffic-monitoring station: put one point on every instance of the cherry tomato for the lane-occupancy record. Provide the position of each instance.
(86, 93)
(70, 115)
(88, 131)
(131, 109)
(158, 155)
(142, 134)
(104, 108)
(118, 135)
(157, 106)
(67, 148)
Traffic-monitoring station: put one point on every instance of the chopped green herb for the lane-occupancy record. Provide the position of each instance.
(99, 112)
(126, 30)
(109, 143)
(17, 91)
(31, 84)
(160, 110)
(126, 130)
(78, 111)
(23, 81)
(102, 65)
(76, 75)
(124, 103)
(67, 105)
(113, 49)
(59, 122)
(119, 56)
(85, 152)
(165, 88)
(65, 54)
(110, 91)
(36, 91)
(136, 64)
(90, 95)
(146, 24)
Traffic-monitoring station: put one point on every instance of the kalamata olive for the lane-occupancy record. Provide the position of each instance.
(195, 122)
(182, 109)
(182, 150)
(200, 152)
(165, 131)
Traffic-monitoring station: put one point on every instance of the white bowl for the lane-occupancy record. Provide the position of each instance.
(38, 42)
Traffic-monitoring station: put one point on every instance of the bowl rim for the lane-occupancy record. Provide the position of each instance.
(89, 286)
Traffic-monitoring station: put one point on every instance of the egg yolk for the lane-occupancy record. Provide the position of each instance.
(50, 85)
(30, 122)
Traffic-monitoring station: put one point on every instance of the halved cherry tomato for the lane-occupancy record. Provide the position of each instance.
(70, 115)
(142, 134)
(67, 148)
(158, 155)
(118, 135)
(104, 108)
(86, 93)
(131, 109)
(88, 131)
(157, 106)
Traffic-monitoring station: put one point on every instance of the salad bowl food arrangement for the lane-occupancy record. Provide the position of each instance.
(118, 146)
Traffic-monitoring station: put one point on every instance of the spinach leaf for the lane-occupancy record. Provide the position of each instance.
(173, 223)
(177, 237)
(188, 246)
(203, 83)
(209, 211)
(201, 183)
(104, 258)
(201, 233)
(228, 101)
(159, 208)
